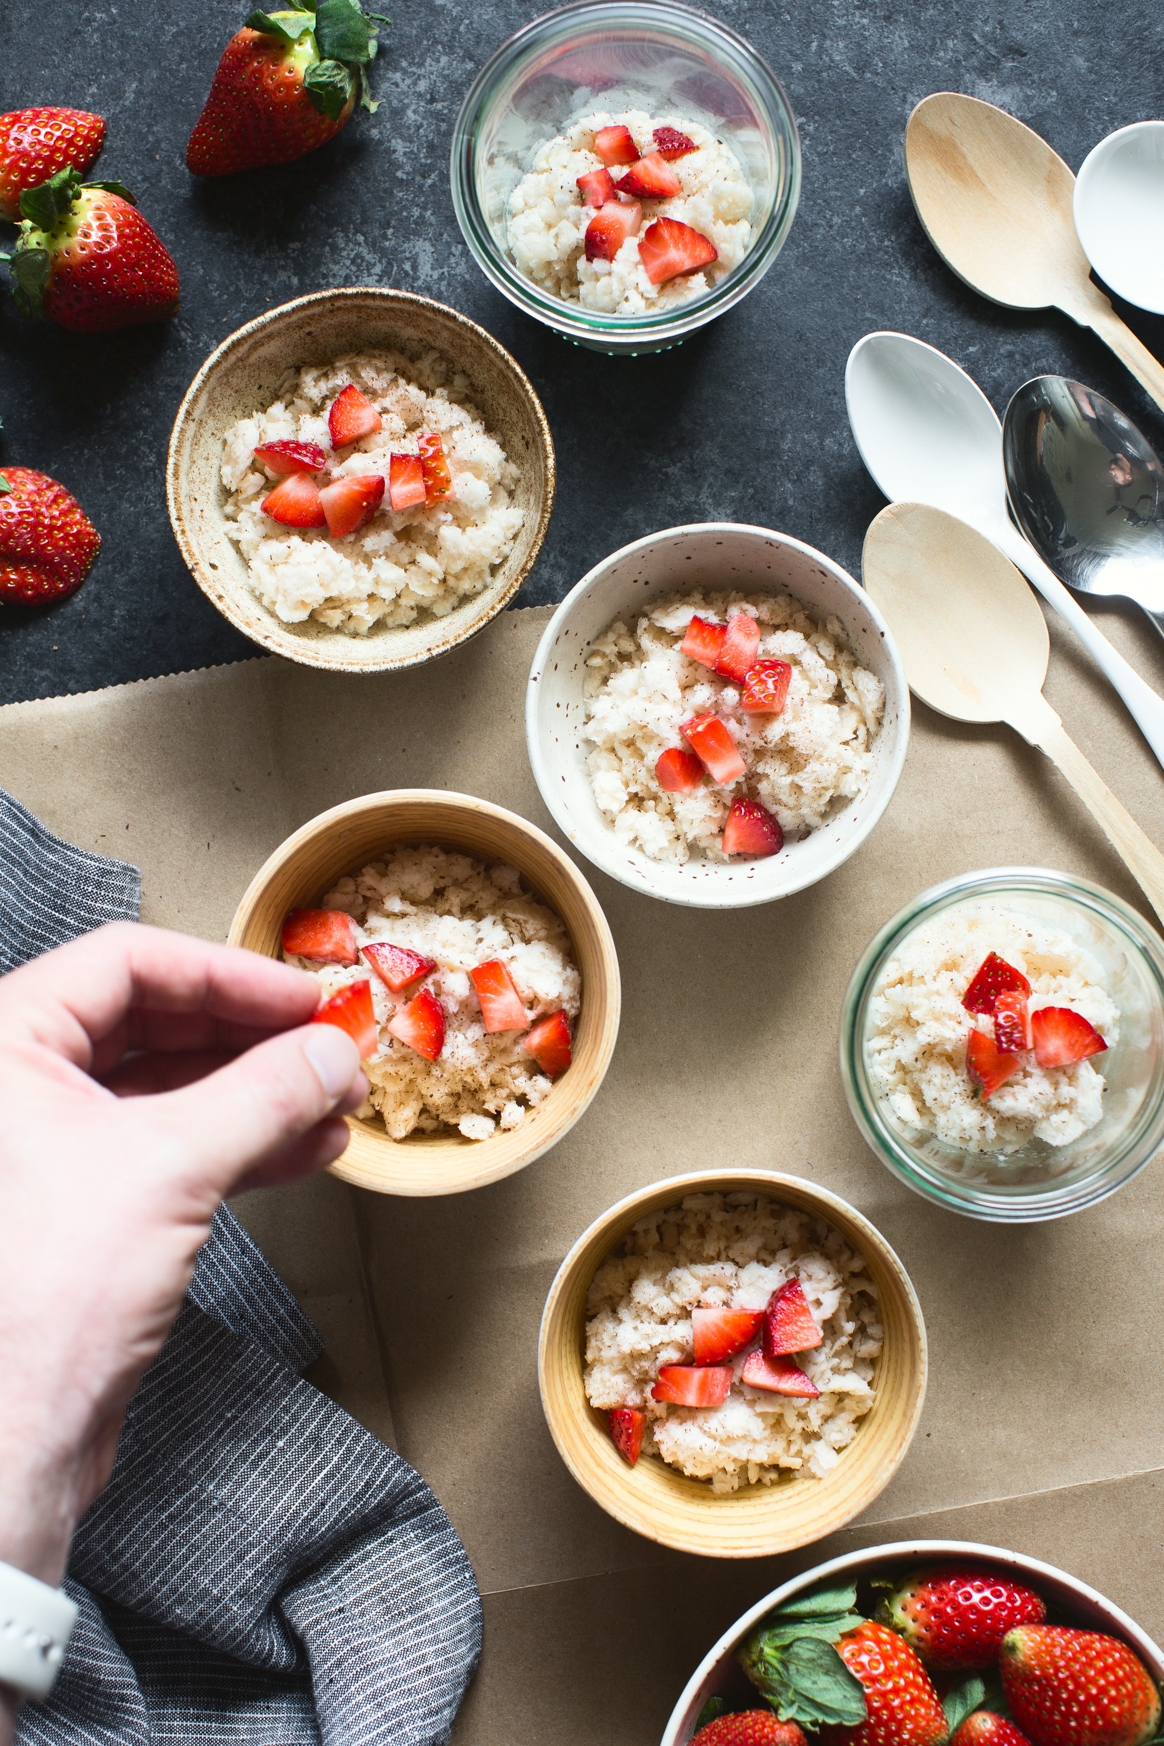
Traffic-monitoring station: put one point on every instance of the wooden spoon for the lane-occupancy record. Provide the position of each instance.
(996, 203)
(975, 646)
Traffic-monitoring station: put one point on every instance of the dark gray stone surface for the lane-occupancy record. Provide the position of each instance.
(746, 422)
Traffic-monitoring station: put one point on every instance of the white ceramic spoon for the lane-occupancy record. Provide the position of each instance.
(1119, 212)
(928, 434)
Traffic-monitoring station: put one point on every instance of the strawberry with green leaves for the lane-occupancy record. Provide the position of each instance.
(956, 1615)
(1077, 1688)
(47, 542)
(792, 1660)
(903, 1709)
(36, 143)
(286, 84)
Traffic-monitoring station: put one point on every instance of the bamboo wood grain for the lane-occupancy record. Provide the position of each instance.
(664, 1505)
(345, 839)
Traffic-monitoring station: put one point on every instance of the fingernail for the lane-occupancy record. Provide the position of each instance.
(333, 1055)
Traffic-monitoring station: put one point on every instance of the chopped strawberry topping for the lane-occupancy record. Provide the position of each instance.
(626, 1431)
(597, 188)
(438, 481)
(501, 1006)
(352, 416)
(1012, 1023)
(721, 1333)
(717, 751)
(678, 772)
(779, 1375)
(420, 1024)
(988, 1066)
(609, 229)
(291, 457)
(672, 144)
(1062, 1036)
(397, 966)
(295, 502)
(652, 178)
(750, 829)
(549, 1043)
(703, 641)
(738, 654)
(789, 1324)
(994, 976)
(350, 1008)
(615, 145)
(766, 687)
(351, 501)
(670, 248)
(405, 481)
(685, 1385)
(326, 936)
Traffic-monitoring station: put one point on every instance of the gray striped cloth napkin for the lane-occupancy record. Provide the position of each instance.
(260, 1570)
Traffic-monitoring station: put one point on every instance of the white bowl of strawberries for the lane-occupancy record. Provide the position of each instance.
(926, 1643)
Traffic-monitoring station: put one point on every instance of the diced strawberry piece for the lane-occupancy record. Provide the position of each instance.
(678, 772)
(609, 229)
(397, 966)
(652, 178)
(501, 1006)
(715, 748)
(350, 1008)
(295, 502)
(405, 481)
(738, 654)
(685, 1385)
(704, 641)
(988, 1066)
(291, 457)
(626, 1430)
(549, 1043)
(615, 145)
(597, 188)
(352, 416)
(750, 829)
(670, 248)
(994, 976)
(672, 144)
(1012, 1024)
(721, 1333)
(766, 687)
(420, 1024)
(779, 1375)
(1062, 1036)
(351, 501)
(326, 936)
(438, 481)
(789, 1324)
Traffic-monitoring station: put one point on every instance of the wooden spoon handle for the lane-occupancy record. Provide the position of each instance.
(1096, 312)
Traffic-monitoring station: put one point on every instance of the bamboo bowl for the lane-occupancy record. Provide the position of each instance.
(303, 868)
(658, 1501)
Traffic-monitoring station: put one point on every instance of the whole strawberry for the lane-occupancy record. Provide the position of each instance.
(47, 542)
(902, 1706)
(956, 1616)
(36, 143)
(1077, 1688)
(984, 1728)
(287, 83)
(87, 259)
(750, 1728)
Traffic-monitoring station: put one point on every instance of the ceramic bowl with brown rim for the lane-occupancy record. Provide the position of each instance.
(304, 868)
(244, 375)
(759, 1520)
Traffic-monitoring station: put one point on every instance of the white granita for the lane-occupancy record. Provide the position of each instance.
(918, 1030)
(801, 764)
(461, 913)
(733, 1251)
(399, 565)
(546, 217)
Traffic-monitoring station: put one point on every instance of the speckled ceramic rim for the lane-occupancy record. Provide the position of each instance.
(717, 1671)
(393, 317)
(1025, 1204)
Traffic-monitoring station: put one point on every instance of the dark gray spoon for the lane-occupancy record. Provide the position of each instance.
(1087, 489)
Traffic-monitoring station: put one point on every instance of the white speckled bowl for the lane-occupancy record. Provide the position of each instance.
(715, 554)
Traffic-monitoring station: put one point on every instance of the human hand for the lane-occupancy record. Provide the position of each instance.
(143, 1076)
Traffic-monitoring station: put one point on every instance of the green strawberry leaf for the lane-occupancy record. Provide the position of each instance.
(963, 1701)
(343, 33)
(329, 86)
(289, 25)
(4, 485)
(822, 1603)
(30, 268)
(778, 1636)
(805, 1680)
(714, 1707)
(47, 205)
(367, 101)
(114, 188)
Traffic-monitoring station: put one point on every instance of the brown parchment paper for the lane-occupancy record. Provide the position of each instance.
(1042, 1426)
